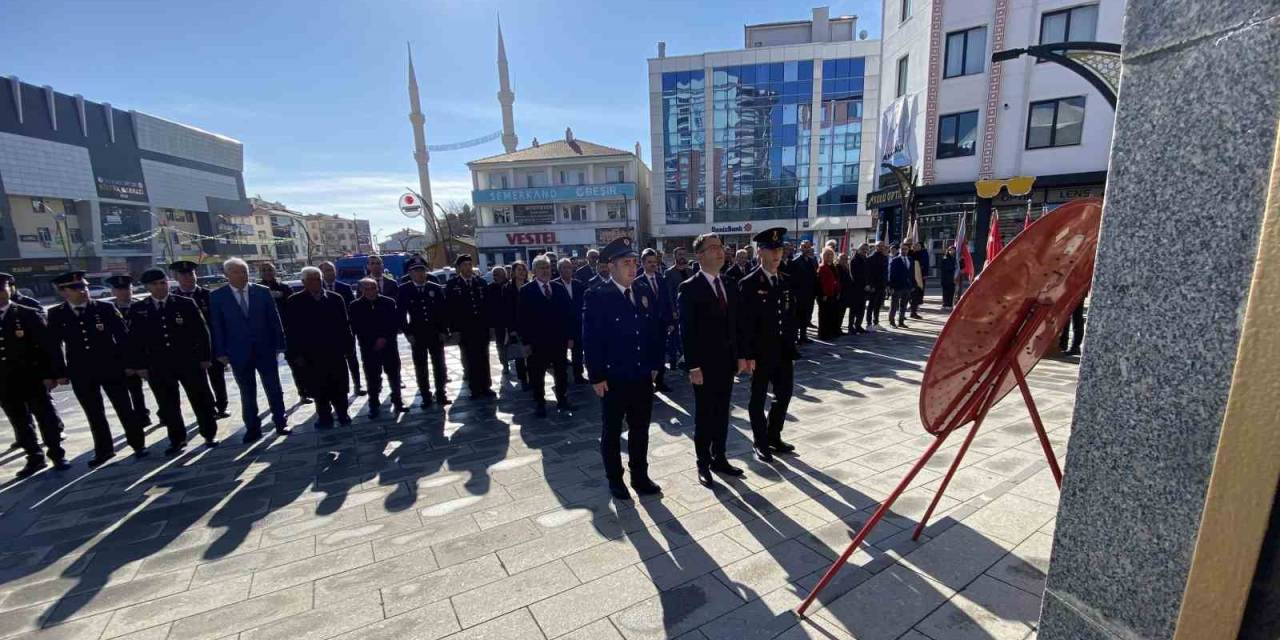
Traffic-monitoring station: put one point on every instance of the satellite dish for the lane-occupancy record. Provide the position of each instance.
(862, 35)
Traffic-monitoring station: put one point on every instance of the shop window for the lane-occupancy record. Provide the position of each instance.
(573, 212)
(501, 215)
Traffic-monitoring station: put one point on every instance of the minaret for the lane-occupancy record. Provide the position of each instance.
(505, 97)
(420, 149)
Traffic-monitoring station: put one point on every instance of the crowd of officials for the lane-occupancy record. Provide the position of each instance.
(616, 323)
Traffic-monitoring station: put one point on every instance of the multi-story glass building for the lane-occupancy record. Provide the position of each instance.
(774, 134)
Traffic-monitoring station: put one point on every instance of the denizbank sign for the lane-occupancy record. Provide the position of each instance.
(562, 193)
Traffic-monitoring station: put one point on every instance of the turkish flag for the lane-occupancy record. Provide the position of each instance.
(995, 244)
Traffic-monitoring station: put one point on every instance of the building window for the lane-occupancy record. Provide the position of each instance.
(45, 236)
(1055, 123)
(501, 215)
(615, 174)
(498, 180)
(573, 212)
(684, 141)
(262, 234)
(966, 52)
(538, 179)
(616, 211)
(906, 10)
(257, 220)
(1069, 25)
(38, 206)
(902, 77)
(74, 236)
(572, 177)
(957, 134)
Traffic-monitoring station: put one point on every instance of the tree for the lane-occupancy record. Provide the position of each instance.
(459, 219)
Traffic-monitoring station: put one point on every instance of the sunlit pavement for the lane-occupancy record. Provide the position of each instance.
(488, 522)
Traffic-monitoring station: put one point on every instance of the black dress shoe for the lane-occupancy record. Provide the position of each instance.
(619, 491)
(251, 437)
(222, 414)
(399, 408)
(763, 454)
(1074, 351)
(705, 478)
(644, 486)
(212, 443)
(540, 411)
(305, 400)
(564, 405)
(31, 468)
(442, 399)
(175, 449)
(781, 447)
(13, 446)
(61, 465)
(916, 316)
(100, 460)
(361, 392)
(344, 421)
(283, 430)
(727, 469)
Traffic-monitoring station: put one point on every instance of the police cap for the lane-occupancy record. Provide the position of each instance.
(67, 278)
(151, 275)
(619, 248)
(182, 266)
(770, 238)
(119, 281)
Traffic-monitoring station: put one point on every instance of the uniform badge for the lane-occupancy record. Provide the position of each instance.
(178, 319)
(100, 327)
(762, 292)
(644, 301)
(18, 332)
(431, 294)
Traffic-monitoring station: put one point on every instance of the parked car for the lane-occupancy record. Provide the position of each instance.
(211, 282)
(97, 291)
(295, 285)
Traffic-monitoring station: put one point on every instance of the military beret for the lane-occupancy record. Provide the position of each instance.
(67, 278)
(119, 282)
(183, 266)
(151, 275)
(619, 248)
(770, 238)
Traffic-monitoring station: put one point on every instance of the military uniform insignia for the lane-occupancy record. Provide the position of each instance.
(100, 326)
(18, 332)
(431, 294)
(644, 301)
(178, 320)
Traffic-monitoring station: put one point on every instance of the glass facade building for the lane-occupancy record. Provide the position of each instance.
(684, 139)
(772, 148)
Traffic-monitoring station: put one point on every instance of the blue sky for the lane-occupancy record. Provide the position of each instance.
(316, 89)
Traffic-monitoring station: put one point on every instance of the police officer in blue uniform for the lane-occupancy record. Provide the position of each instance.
(767, 339)
(26, 373)
(464, 297)
(623, 338)
(94, 336)
(122, 292)
(169, 345)
(375, 322)
(423, 315)
(184, 272)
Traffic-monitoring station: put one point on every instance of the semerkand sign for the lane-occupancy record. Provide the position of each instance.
(561, 193)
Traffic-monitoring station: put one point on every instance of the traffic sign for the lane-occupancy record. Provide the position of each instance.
(410, 205)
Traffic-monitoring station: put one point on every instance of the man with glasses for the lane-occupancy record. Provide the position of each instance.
(94, 338)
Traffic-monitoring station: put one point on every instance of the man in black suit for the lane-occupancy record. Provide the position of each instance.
(329, 274)
(589, 270)
(26, 374)
(169, 346)
(652, 283)
(739, 269)
(375, 321)
(386, 284)
(318, 335)
(708, 327)
(94, 337)
(577, 293)
(464, 297)
(280, 293)
(184, 272)
(878, 279)
(423, 316)
(768, 344)
(803, 272)
(544, 320)
(41, 405)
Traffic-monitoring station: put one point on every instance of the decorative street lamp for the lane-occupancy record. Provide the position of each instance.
(1097, 62)
(906, 190)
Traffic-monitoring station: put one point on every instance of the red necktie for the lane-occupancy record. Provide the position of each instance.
(724, 304)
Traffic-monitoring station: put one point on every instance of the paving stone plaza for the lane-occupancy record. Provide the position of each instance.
(486, 522)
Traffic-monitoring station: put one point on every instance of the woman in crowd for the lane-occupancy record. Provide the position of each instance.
(846, 292)
(828, 296)
(495, 310)
(947, 274)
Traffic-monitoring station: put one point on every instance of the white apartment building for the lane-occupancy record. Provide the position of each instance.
(778, 133)
(954, 117)
(566, 196)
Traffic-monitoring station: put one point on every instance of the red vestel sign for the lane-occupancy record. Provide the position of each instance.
(541, 237)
